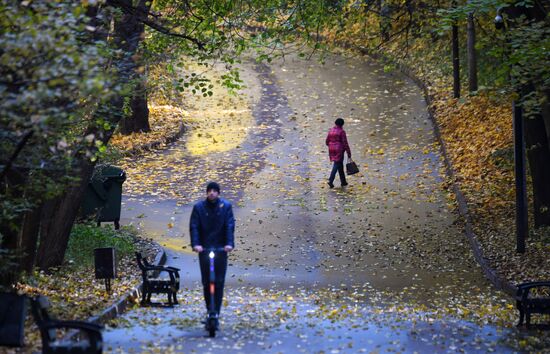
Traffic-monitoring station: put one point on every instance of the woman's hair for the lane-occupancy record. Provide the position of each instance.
(339, 122)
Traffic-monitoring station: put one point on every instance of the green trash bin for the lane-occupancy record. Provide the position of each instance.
(103, 196)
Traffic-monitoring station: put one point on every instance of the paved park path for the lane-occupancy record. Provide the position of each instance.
(381, 265)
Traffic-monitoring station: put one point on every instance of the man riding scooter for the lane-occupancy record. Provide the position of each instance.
(212, 226)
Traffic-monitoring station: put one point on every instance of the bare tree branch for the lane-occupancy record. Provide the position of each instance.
(18, 149)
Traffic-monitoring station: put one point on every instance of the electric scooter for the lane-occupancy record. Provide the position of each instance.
(212, 322)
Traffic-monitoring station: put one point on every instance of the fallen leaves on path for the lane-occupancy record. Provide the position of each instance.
(478, 133)
(216, 127)
(335, 319)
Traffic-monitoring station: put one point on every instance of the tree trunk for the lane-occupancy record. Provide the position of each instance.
(538, 154)
(9, 235)
(546, 116)
(537, 132)
(138, 121)
(29, 238)
(140, 111)
(472, 59)
(58, 219)
(456, 62)
(8, 273)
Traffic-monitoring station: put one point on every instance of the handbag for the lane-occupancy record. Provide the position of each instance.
(351, 167)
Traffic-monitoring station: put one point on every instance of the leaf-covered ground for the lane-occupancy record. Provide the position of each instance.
(216, 125)
(75, 294)
(202, 116)
(478, 133)
(390, 238)
(164, 121)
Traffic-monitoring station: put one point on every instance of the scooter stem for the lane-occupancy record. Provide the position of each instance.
(212, 285)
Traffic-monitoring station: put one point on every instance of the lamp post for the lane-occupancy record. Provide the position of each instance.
(522, 225)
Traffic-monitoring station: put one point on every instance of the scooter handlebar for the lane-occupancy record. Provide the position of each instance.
(214, 249)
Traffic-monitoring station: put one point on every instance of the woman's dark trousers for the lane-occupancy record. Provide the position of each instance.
(338, 166)
(220, 267)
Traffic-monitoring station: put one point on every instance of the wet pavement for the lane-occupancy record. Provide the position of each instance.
(259, 320)
(380, 265)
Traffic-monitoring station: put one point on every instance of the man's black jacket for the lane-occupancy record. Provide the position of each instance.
(212, 224)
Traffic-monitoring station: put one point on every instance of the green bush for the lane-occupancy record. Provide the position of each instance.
(85, 237)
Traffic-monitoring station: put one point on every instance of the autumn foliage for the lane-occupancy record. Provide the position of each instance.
(477, 131)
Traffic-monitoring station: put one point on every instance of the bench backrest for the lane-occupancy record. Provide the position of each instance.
(533, 290)
(143, 264)
(542, 291)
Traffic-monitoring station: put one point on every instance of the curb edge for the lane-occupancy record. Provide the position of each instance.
(138, 150)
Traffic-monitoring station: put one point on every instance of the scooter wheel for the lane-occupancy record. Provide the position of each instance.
(212, 326)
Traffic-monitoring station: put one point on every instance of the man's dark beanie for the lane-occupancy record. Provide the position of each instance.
(214, 186)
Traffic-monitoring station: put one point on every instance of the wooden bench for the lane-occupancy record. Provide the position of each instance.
(87, 340)
(529, 300)
(154, 284)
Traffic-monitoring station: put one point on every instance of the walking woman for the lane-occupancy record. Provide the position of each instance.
(337, 143)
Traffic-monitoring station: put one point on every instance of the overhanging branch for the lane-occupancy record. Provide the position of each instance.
(16, 152)
(142, 17)
(168, 32)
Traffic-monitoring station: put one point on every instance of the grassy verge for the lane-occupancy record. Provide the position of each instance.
(85, 238)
